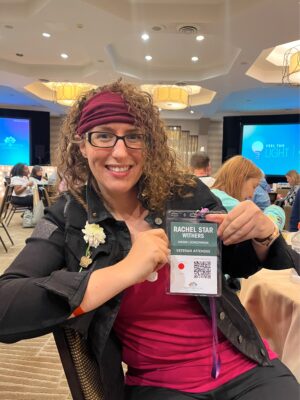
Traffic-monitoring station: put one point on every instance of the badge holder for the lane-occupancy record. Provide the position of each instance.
(195, 260)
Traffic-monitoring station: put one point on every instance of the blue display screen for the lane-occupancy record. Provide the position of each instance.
(275, 148)
(14, 141)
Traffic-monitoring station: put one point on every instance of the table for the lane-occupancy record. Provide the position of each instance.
(272, 299)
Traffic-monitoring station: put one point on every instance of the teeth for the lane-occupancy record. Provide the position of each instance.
(118, 169)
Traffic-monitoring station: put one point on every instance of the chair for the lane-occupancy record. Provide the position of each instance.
(273, 197)
(287, 210)
(12, 208)
(81, 369)
(3, 211)
(45, 196)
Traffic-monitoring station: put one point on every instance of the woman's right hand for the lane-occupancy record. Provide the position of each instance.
(149, 253)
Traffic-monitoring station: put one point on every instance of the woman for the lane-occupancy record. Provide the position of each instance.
(292, 177)
(39, 181)
(236, 181)
(22, 193)
(121, 177)
(295, 214)
(36, 175)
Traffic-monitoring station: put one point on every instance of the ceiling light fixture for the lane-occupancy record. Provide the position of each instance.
(64, 55)
(294, 68)
(291, 66)
(145, 36)
(46, 34)
(148, 58)
(170, 97)
(199, 38)
(195, 59)
(66, 93)
(178, 96)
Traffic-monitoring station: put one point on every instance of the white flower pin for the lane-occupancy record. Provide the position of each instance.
(93, 236)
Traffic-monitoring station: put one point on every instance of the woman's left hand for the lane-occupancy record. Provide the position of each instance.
(246, 221)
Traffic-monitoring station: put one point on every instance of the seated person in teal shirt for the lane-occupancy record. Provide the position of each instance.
(236, 181)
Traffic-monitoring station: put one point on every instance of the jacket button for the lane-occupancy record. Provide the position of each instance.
(94, 214)
(240, 338)
(158, 221)
(262, 351)
(222, 315)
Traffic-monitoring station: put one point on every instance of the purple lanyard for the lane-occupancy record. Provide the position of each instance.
(216, 367)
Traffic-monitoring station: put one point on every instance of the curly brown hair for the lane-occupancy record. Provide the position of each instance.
(162, 174)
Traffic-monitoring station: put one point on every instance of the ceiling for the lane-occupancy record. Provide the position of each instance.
(103, 41)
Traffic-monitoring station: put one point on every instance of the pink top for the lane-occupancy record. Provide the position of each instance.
(167, 341)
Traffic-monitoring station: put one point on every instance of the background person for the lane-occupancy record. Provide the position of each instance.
(236, 181)
(121, 178)
(261, 193)
(39, 181)
(295, 214)
(22, 193)
(37, 175)
(293, 179)
(200, 166)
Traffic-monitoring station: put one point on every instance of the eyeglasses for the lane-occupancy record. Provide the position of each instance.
(104, 140)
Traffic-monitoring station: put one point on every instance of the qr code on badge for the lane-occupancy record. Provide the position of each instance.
(202, 269)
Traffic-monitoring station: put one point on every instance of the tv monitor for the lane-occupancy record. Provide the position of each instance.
(272, 142)
(275, 148)
(24, 137)
(14, 141)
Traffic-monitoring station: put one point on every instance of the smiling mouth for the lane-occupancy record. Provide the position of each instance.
(115, 168)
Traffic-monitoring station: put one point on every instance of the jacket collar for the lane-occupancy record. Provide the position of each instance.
(96, 209)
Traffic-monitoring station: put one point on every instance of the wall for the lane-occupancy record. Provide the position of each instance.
(55, 125)
(214, 144)
(195, 127)
(210, 135)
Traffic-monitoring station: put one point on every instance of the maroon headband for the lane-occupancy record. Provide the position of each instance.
(103, 108)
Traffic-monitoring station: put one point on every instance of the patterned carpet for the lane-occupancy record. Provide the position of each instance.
(30, 369)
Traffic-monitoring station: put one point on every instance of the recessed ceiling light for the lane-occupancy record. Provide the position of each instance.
(192, 111)
(46, 34)
(64, 55)
(199, 38)
(195, 58)
(19, 54)
(157, 28)
(148, 58)
(145, 36)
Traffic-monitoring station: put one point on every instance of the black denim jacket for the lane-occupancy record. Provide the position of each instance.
(43, 286)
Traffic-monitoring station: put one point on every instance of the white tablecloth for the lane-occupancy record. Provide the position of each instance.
(272, 299)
